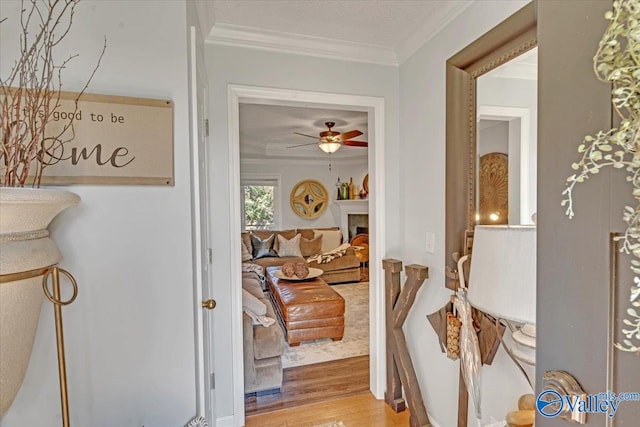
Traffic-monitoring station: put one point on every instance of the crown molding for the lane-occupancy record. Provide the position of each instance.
(430, 28)
(516, 71)
(206, 16)
(241, 36)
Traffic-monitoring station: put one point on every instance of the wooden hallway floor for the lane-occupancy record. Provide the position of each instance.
(362, 410)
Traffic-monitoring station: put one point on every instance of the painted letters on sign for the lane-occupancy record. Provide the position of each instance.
(118, 140)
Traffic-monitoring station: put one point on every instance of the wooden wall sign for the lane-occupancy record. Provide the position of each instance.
(118, 140)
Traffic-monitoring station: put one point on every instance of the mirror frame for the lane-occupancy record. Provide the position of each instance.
(511, 38)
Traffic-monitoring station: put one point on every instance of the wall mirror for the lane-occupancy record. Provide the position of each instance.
(490, 179)
(309, 198)
(491, 131)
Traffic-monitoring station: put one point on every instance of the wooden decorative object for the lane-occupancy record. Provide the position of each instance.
(361, 242)
(309, 198)
(494, 189)
(400, 370)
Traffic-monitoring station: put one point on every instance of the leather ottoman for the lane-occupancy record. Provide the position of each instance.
(308, 309)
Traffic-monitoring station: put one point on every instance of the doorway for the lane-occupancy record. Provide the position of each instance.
(283, 170)
(374, 107)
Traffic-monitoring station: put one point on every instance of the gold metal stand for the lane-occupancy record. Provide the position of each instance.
(54, 272)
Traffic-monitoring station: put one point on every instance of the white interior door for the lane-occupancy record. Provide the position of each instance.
(205, 379)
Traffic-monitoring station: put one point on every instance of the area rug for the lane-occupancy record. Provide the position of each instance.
(356, 332)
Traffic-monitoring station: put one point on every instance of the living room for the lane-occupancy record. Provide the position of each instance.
(291, 188)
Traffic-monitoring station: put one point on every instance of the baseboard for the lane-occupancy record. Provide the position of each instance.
(227, 421)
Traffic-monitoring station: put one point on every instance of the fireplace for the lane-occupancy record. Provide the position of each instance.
(354, 217)
(357, 224)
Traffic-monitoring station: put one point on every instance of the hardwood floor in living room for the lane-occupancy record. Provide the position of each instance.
(319, 382)
(327, 392)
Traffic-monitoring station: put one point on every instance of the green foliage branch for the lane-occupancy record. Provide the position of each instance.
(617, 62)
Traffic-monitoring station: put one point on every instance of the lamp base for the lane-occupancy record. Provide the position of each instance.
(524, 348)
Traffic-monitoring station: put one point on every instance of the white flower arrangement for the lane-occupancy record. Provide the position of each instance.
(617, 61)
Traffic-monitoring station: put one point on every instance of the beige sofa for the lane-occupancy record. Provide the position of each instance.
(263, 346)
(340, 270)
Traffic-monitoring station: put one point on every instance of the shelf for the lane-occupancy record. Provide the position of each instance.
(352, 202)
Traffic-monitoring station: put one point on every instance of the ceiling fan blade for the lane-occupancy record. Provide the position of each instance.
(308, 136)
(356, 143)
(303, 145)
(350, 134)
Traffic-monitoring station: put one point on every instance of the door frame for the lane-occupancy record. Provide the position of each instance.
(200, 228)
(375, 108)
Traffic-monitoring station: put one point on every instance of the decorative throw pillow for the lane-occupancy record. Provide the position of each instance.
(263, 248)
(310, 247)
(256, 309)
(246, 255)
(253, 304)
(289, 247)
(246, 239)
(263, 234)
(331, 239)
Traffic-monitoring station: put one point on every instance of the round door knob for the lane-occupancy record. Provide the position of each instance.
(209, 304)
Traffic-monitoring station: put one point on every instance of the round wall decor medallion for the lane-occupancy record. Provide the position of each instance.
(309, 198)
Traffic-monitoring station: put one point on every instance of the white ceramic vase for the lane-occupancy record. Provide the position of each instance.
(25, 246)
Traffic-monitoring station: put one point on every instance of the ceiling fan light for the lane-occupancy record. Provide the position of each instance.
(329, 147)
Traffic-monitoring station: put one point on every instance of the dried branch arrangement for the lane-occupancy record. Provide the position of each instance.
(30, 94)
(617, 62)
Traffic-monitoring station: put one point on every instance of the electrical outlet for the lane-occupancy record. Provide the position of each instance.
(430, 245)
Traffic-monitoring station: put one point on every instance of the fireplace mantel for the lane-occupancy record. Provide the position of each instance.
(350, 207)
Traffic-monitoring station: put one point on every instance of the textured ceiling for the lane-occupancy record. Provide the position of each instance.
(267, 131)
(374, 22)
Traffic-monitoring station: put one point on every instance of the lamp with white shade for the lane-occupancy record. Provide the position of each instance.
(502, 281)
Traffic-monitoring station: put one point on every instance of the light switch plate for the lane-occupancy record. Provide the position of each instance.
(430, 245)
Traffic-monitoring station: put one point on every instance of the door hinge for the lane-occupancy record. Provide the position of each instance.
(210, 255)
(206, 127)
(213, 381)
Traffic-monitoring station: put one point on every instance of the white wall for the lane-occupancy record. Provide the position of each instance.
(422, 190)
(129, 335)
(229, 65)
(493, 139)
(293, 171)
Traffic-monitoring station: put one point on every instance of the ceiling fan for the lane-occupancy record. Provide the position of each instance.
(331, 141)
